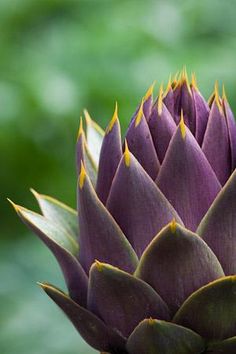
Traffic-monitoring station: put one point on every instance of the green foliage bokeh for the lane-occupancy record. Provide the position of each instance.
(57, 57)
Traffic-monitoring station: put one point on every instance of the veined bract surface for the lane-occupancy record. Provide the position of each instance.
(149, 256)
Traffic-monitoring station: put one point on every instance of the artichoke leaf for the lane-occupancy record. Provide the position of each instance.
(64, 248)
(94, 135)
(211, 310)
(90, 327)
(58, 212)
(159, 337)
(122, 300)
(220, 347)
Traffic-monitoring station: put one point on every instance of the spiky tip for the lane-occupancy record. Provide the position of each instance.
(98, 265)
(184, 80)
(113, 119)
(81, 129)
(35, 193)
(127, 154)
(217, 98)
(88, 119)
(90, 123)
(149, 91)
(184, 75)
(151, 321)
(15, 206)
(216, 95)
(182, 125)
(139, 114)
(224, 96)
(42, 285)
(160, 100)
(82, 175)
(216, 90)
(194, 82)
(173, 226)
(48, 288)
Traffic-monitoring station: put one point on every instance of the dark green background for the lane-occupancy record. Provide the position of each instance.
(57, 57)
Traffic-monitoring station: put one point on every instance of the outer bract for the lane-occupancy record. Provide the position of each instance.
(149, 256)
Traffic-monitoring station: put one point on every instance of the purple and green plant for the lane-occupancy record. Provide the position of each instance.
(149, 256)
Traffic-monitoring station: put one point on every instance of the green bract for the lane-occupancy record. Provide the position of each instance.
(149, 256)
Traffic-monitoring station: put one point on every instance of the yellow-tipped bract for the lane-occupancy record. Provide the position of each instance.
(184, 80)
(149, 91)
(160, 101)
(81, 129)
(113, 119)
(82, 175)
(139, 114)
(173, 226)
(43, 285)
(194, 82)
(98, 265)
(182, 125)
(90, 122)
(224, 97)
(127, 154)
(217, 97)
(151, 321)
(15, 206)
(87, 117)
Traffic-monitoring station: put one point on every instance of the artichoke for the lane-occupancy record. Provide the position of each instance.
(150, 268)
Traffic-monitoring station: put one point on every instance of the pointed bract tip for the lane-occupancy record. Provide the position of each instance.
(217, 96)
(149, 91)
(82, 175)
(81, 129)
(216, 88)
(42, 285)
(182, 125)
(127, 154)
(35, 194)
(224, 96)
(47, 287)
(151, 321)
(184, 79)
(91, 123)
(113, 119)
(173, 226)
(194, 82)
(160, 100)
(184, 75)
(15, 206)
(98, 265)
(87, 116)
(139, 114)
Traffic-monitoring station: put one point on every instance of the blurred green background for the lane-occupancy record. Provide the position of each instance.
(56, 58)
